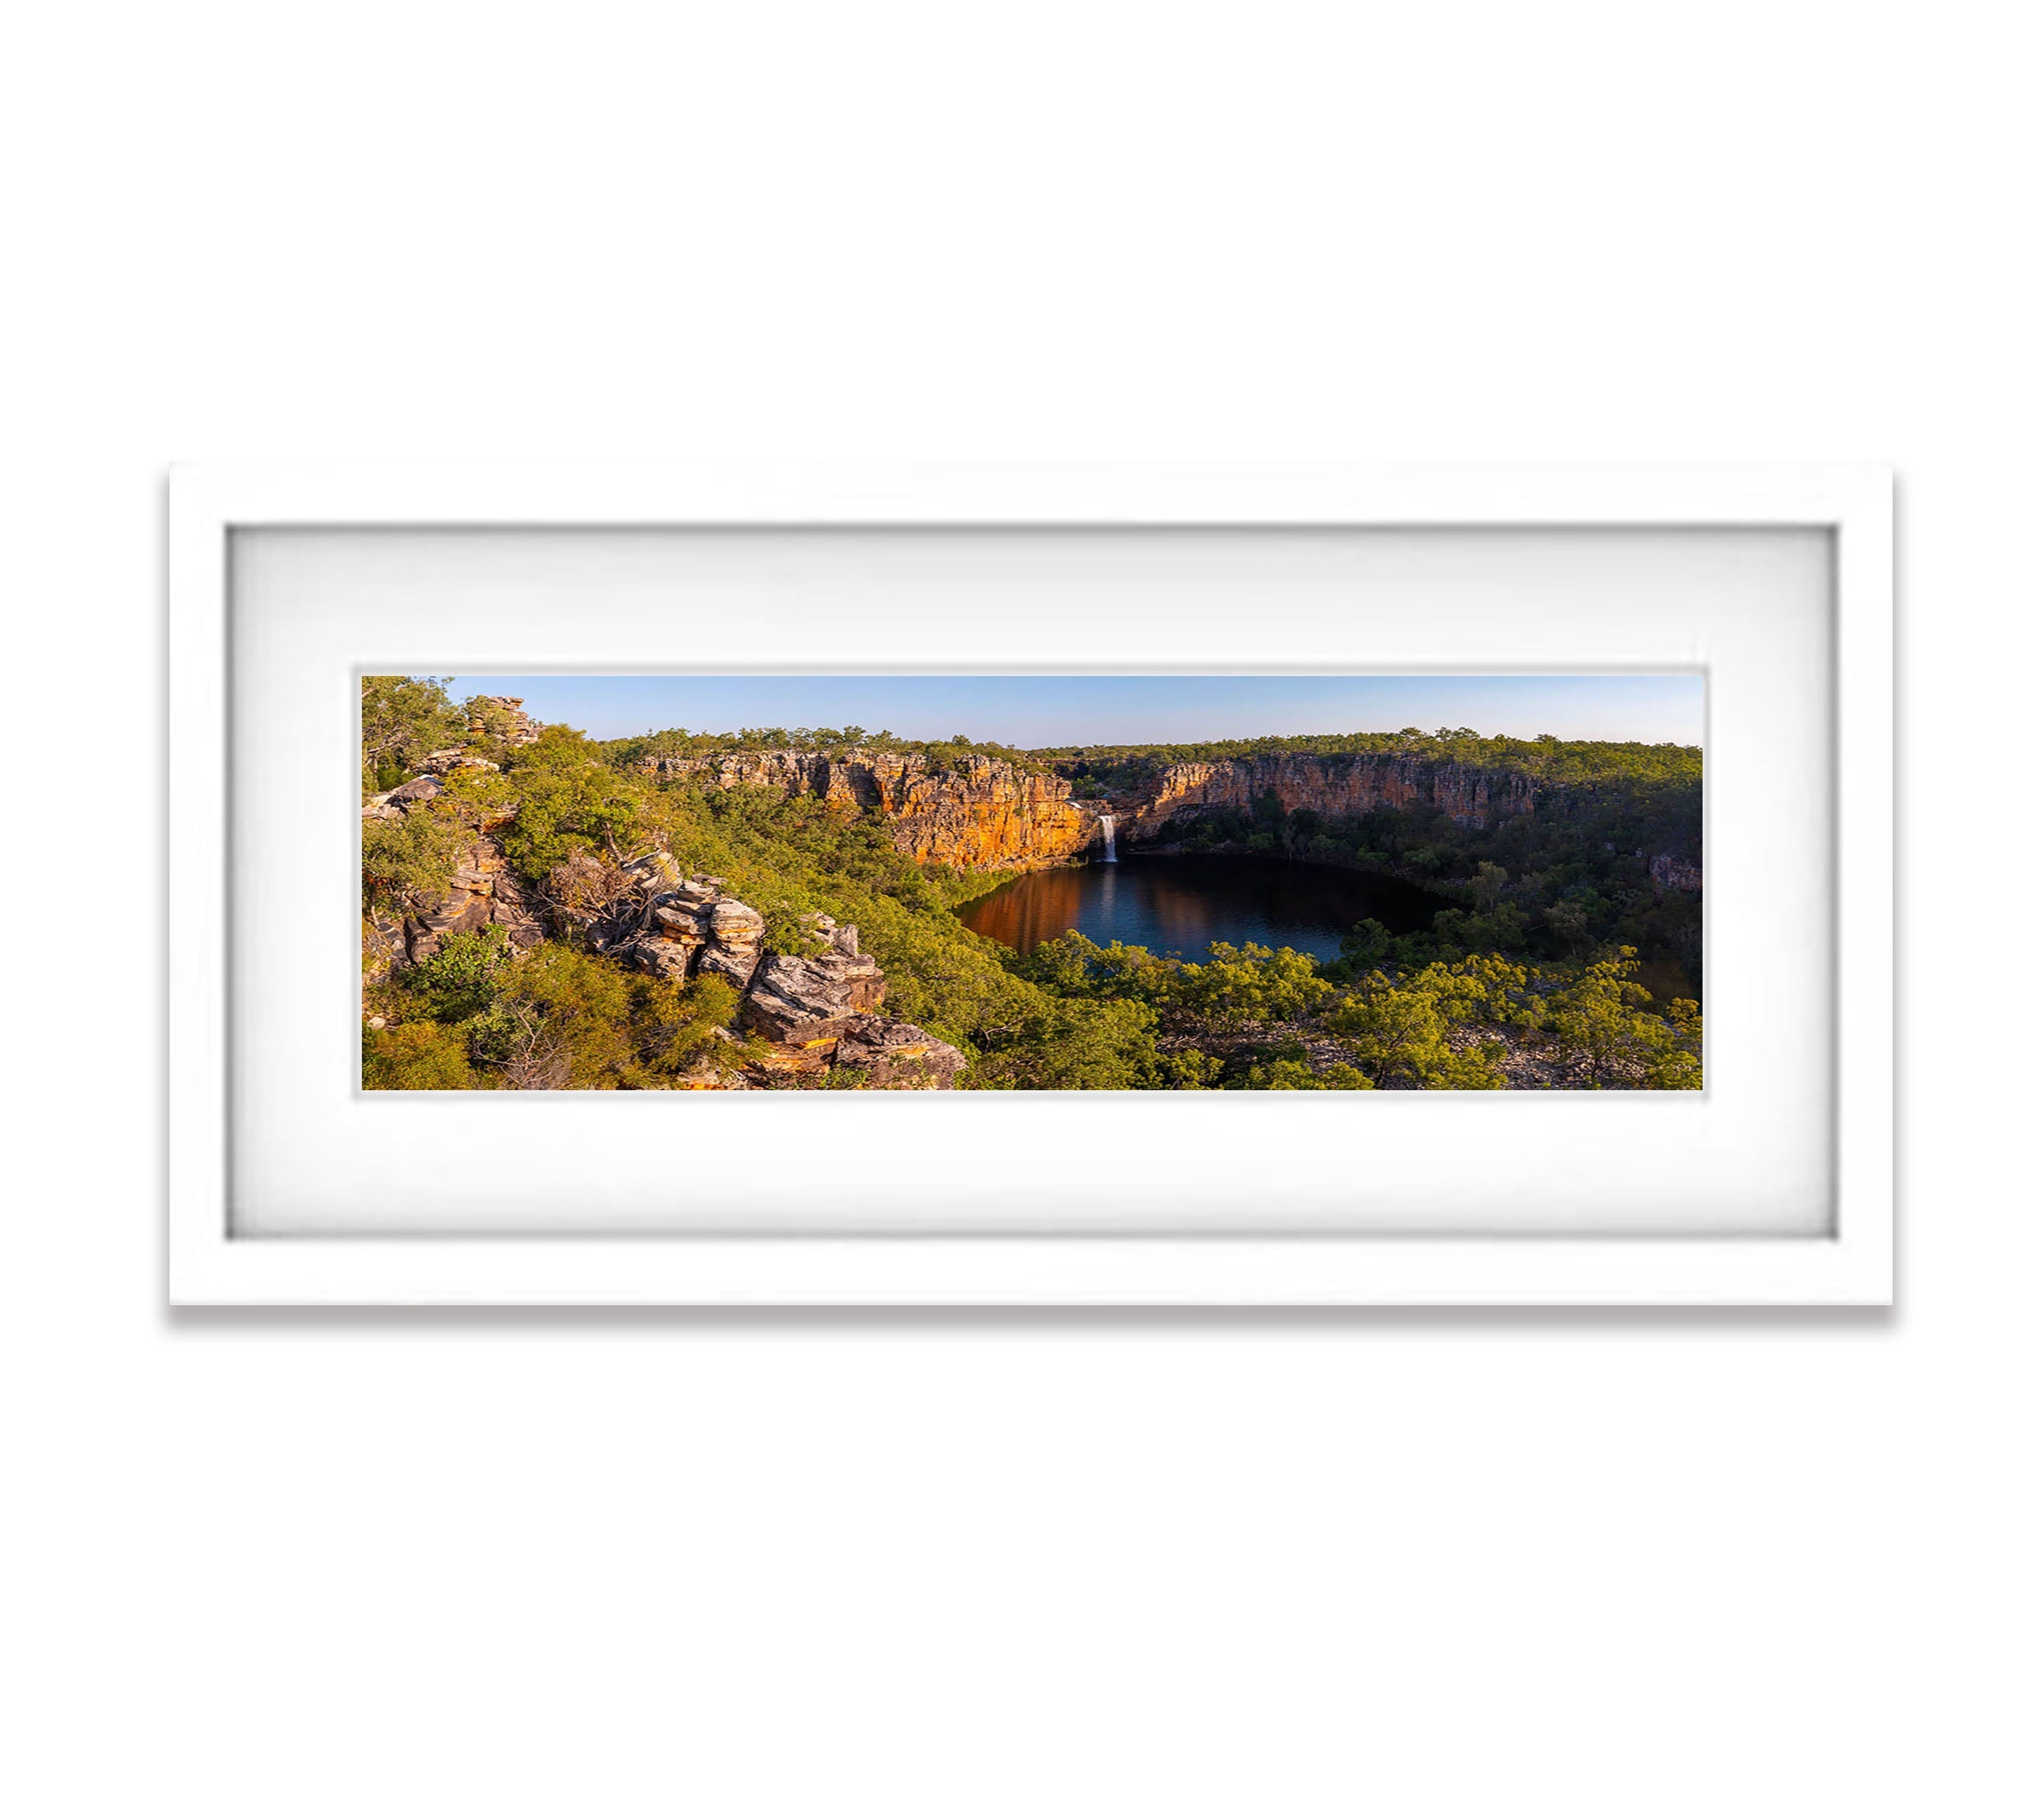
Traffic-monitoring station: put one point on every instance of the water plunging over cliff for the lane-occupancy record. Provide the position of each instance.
(1107, 827)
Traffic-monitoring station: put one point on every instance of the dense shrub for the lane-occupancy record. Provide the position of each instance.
(1439, 1009)
(417, 1057)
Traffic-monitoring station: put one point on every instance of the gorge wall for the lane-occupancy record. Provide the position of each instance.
(985, 813)
(1336, 786)
(979, 814)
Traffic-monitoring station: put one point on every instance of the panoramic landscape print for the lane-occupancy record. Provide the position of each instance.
(1032, 883)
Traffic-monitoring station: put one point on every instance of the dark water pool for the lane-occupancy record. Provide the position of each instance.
(1181, 905)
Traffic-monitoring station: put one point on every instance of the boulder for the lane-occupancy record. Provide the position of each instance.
(864, 979)
(799, 999)
(671, 960)
(690, 931)
(443, 762)
(737, 967)
(796, 1062)
(809, 999)
(676, 920)
(894, 1056)
(734, 923)
(736, 931)
(655, 871)
(898, 1056)
(419, 789)
(515, 910)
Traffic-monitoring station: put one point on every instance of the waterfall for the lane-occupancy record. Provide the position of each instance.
(1106, 833)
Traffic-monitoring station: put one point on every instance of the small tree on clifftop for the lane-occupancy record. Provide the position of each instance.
(403, 718)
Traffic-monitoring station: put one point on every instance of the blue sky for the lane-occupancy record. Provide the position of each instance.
(1033, 710)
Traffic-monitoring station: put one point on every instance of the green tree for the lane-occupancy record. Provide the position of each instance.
(404, 717)
(1604, 1029)
(1291, 1074)
(461, 977)
(1076, 1047)
(1368, 943)
(408, 864)
(566, 803)
(1402, 1031)
(1252, 984)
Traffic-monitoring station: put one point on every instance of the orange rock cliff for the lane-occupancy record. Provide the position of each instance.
(985, 813)
(981, 814)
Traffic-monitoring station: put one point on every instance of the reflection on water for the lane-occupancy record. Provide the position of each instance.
(1181, 905)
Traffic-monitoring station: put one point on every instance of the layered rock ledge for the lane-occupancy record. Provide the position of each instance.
(806, 1013)
(1342, 785)
(809, 1012)
(985, 813)
(980, 813)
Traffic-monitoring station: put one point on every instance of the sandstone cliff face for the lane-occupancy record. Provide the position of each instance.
(986, 814)
(983, 813)
(1332, 786)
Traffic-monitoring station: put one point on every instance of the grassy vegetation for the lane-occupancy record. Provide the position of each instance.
(1103, 768)
(1467, 1005)
(828, 741)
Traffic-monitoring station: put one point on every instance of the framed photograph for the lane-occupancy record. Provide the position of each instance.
(1083, 887)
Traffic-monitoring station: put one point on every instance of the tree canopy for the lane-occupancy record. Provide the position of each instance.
(404, 718)
(1532, 978)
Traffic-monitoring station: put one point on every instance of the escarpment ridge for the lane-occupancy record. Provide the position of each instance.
(981, 813)
(977, 813)
(1339, 786)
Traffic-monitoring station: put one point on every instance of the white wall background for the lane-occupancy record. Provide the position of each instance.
(1464, 1563)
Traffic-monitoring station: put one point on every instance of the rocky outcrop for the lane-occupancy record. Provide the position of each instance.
(887, 1055)
(809, 1012)
(645, 913)
(898, 1056)
(446, 762)
(483, 891)
(980, 813)
(806, 1012)
(503, 717)
(419, 789)
(805, 1000)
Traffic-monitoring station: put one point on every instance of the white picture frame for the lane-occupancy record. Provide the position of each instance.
(216, 1259)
